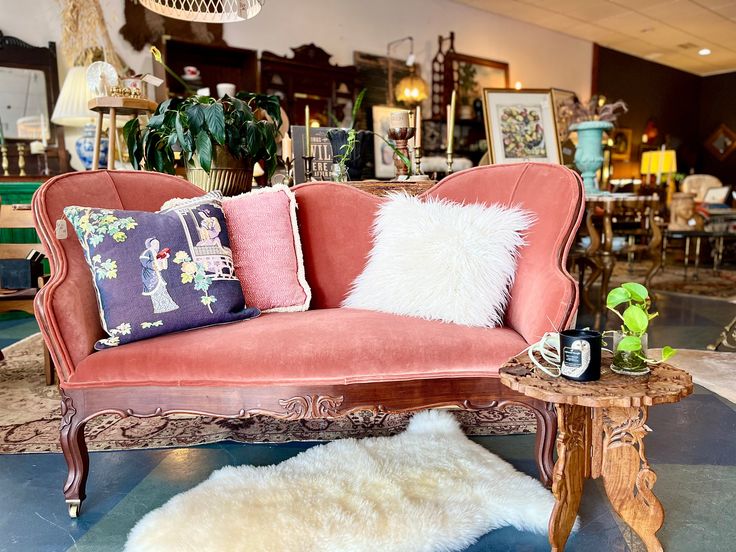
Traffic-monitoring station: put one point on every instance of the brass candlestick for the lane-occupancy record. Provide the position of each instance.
(289, 163)
(308, 173)
(401, 137)
(22, 159)
(418, 161)
(450, 161)
(5, 162)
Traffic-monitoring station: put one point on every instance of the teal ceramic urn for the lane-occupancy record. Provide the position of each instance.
(589, 153)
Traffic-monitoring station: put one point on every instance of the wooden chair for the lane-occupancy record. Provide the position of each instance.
(21, 216)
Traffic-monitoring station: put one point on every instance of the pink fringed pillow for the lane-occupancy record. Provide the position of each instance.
(267, 251)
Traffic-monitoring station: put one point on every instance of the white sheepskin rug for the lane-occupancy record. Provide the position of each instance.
(427, 489)
(441, 260)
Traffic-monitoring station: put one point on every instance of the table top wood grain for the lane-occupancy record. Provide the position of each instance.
(664, 384)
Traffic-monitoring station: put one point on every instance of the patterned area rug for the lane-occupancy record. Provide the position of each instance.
(707, 284)
(31, 416)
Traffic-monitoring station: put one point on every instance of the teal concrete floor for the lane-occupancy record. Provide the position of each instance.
(692, 449)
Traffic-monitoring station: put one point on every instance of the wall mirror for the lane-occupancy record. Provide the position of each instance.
(30, 87)
(24, 112)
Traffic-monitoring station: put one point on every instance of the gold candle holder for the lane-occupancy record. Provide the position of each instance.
(5, 162)
(418, 161)
(22, 159)
(450, 161)
(289, 164)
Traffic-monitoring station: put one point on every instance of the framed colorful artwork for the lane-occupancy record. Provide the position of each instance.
(621, 148)
(520, 126)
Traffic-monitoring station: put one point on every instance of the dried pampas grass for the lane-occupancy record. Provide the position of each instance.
(83, 30)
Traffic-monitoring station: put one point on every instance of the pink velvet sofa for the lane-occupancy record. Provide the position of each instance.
(322, 363)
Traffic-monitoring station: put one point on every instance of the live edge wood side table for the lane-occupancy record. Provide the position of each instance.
(600, 432)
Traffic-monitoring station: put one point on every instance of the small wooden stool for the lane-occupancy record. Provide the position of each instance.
(115, 106)
(600, 433)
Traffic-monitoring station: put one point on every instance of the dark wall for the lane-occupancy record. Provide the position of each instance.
(668, 96)
(717, 99)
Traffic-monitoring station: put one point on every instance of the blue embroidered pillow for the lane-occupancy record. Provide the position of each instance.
(157, 273)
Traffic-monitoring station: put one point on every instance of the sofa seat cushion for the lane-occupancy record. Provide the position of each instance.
(320, 347)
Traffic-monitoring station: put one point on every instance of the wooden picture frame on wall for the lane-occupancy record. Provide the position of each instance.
(520, 126)
(489, 73)
(721, 142)
(621, 148)
(563, 119)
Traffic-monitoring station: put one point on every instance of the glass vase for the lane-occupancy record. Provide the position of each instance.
(630, 363)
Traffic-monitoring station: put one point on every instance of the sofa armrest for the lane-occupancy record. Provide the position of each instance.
(544, 296)
(66, 307)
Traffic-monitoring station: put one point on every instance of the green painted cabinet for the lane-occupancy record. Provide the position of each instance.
(12, 193)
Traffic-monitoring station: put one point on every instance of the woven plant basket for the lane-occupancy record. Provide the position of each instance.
(229, 175)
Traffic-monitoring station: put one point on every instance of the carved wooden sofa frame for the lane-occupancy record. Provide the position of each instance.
(62, 310)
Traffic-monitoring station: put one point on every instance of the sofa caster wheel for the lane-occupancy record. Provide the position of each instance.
(74, 506)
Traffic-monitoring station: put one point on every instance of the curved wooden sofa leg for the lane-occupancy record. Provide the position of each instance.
(75, 453)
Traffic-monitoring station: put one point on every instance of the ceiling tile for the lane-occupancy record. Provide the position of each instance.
(619, 24)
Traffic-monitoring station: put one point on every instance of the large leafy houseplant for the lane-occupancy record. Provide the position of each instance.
(206, 130)
(630, 342)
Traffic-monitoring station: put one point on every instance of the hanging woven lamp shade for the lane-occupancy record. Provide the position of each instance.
(206, 11)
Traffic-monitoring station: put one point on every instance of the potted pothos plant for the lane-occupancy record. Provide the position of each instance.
(631, 303)
(219, 140)
(351, 148)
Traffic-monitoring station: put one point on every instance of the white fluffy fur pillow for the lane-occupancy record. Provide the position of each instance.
(441, 260)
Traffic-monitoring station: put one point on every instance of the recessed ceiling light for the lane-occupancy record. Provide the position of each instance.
(704, 52)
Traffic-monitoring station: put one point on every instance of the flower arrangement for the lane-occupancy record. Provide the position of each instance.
(574, 111)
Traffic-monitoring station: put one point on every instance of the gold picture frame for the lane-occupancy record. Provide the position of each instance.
(521, 125)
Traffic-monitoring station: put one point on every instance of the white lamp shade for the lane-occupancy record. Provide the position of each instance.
(71, 106)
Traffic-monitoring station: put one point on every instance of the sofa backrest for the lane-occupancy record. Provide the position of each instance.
(335, 223)
(67, 307)
(335, 226)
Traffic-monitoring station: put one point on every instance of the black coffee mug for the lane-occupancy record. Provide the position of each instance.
(573, 354)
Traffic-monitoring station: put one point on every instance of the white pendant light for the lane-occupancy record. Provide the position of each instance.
(206, 11)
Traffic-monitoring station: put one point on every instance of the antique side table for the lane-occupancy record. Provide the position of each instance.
(600, 431)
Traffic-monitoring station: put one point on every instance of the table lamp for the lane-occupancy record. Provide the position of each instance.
(659, 162)
(71, 111)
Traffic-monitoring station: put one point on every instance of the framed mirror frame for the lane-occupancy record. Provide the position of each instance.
(19, 54)
(452, 62)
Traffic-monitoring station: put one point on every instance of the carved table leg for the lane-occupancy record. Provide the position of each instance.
(544, 445)
(75, 453)
(569, 472)
(627, 477)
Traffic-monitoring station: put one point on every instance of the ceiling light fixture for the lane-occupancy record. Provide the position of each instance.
(704, 52)
(206, 11)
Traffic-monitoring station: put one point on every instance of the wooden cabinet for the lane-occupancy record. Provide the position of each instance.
(216, 64)
(308, 78)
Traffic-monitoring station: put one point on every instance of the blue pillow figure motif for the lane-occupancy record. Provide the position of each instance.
(157, 273)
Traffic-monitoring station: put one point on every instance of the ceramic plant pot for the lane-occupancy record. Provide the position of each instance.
(630, 363)
(589, 153)
(359, 157)
(229, 175)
